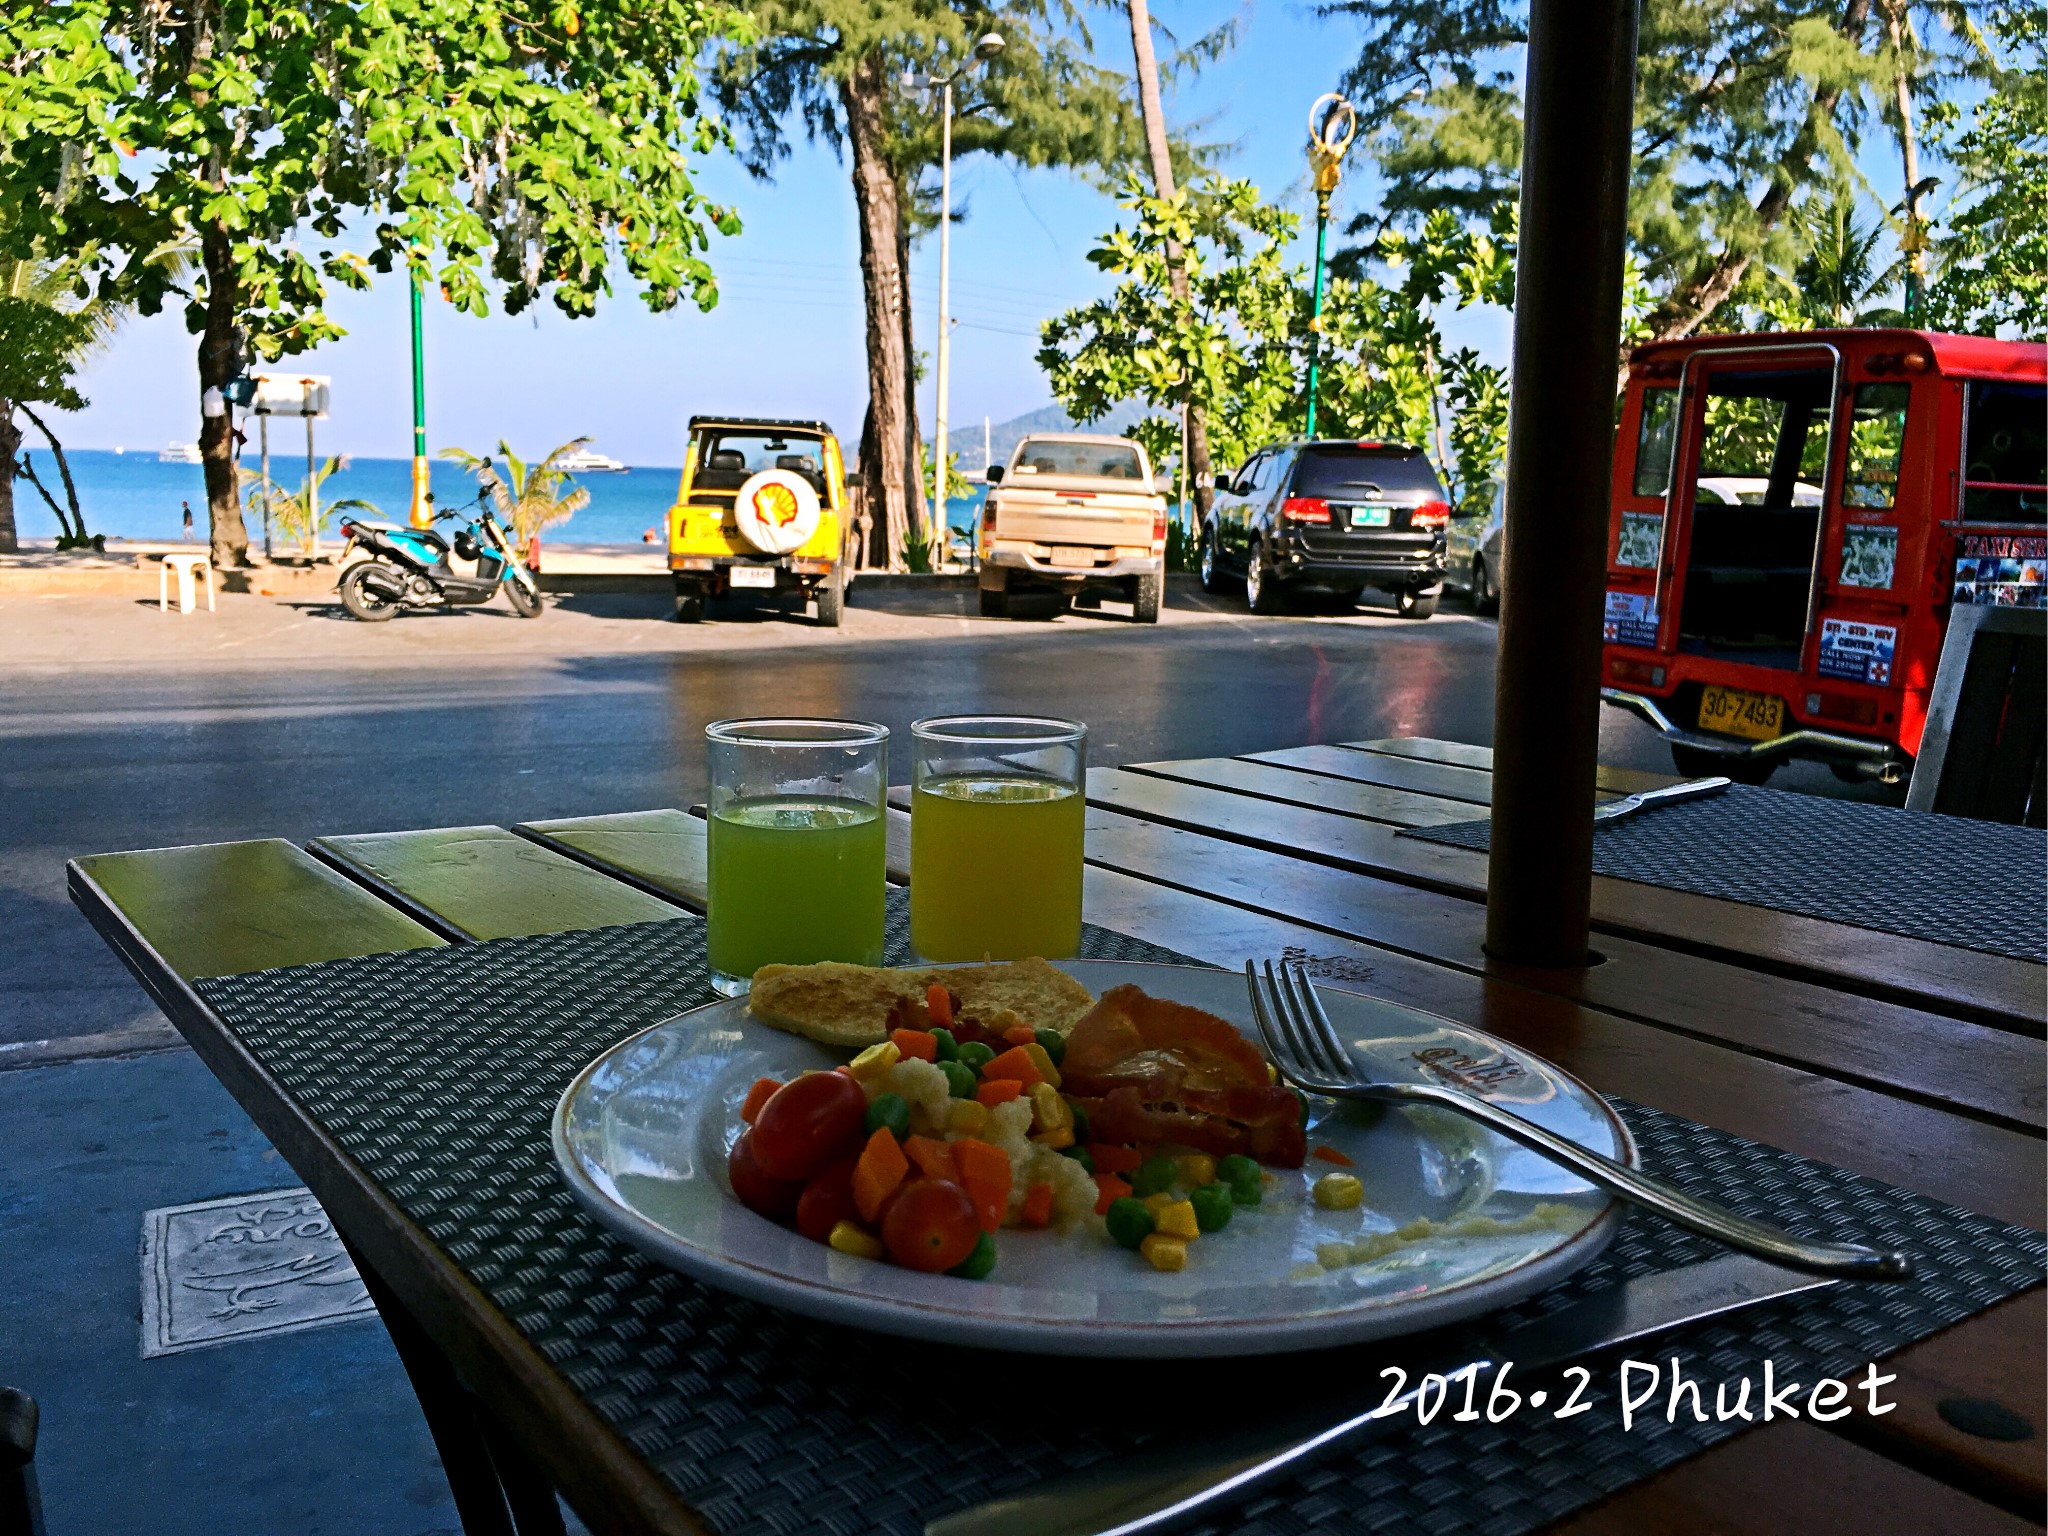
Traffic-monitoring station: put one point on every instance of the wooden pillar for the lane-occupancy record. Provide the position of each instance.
(1579, 98)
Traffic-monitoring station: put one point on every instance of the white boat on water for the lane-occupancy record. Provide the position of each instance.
(178, 453)
(588, 461)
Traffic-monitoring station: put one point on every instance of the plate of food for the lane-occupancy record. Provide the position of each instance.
(1087, 1158)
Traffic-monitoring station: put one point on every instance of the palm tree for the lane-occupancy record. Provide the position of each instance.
(1839, 276)
(291, 512)
(529, 497)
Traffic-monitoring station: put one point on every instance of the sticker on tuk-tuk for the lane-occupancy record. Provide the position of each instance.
(1870, 554)
(1857, 653)
(1631, 619)
(2002, 570)
(1641, 540)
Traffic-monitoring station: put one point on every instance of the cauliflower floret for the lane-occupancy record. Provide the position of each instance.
(1073, 1191)
(922, 1085)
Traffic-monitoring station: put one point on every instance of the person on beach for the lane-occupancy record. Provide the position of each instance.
(188, 520)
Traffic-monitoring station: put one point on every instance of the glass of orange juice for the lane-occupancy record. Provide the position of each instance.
(996, 812)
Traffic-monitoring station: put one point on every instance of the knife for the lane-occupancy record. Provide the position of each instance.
(1628, 805)
(1151, 1490)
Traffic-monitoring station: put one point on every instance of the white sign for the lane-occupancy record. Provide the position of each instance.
(290, 394)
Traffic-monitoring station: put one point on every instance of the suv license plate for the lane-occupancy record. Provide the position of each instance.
(1064, 554)
(1736, 712)
(751, 575)
(1371, 517)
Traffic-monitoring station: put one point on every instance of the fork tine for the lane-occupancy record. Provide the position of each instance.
(1300, 1044)
(1262, 1015)
(1319, 1024)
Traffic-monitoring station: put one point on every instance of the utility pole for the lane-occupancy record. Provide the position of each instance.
(421, 516)
(1332, 122)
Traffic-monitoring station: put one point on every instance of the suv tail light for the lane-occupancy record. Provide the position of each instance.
(1305, 509)
(1431, 514)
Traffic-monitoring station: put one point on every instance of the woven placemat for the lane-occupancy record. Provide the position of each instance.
(1972, 884)
(438, 1070)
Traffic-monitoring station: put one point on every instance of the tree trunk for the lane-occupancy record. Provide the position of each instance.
(913, 439)
(217, 364)
(10, 444)
(63, 471)
(1153, 109)
(883, 472)
(1691, 305)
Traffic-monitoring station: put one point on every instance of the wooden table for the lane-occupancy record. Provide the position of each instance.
(1911, 1062)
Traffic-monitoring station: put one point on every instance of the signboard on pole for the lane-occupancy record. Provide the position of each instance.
(290, 394)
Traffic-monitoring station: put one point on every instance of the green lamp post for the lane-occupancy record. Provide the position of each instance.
(1332, 122)
(422, 514)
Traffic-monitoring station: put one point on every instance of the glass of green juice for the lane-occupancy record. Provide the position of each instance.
(996, 810)
(797, 844)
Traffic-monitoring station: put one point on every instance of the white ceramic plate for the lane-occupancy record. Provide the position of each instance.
(642, 1136)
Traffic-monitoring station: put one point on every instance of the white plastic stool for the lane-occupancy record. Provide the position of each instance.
(185, 566)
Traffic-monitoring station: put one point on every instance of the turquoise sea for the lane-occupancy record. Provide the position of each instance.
(134, 496)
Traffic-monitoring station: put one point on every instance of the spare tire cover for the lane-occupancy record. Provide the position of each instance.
(777, 511)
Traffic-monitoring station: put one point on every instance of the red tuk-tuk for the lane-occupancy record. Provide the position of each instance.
(1794, 516)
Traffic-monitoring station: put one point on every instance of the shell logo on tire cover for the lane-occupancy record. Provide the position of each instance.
(777, 511)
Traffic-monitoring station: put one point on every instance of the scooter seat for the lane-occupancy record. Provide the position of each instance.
(424, 535)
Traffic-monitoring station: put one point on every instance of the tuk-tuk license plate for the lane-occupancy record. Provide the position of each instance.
(751, 575)
(1737, 712)
(1371, 517)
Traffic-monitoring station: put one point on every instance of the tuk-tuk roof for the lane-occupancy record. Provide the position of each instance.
(1975, 356)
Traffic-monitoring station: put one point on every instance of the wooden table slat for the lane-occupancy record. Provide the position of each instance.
(661, 852)
(220, 909)
(1258, 779)
(1427, 749)
(486, 883)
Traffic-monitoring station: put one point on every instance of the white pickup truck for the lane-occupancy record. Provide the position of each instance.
(1074, 512)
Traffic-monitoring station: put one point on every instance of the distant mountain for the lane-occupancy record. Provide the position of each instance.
(1003, 436)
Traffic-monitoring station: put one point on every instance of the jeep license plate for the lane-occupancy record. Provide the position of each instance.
(751, 575)
(1738, 712)
(1371, 517)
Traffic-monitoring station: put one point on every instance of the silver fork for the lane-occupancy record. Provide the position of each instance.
(1312, 1055)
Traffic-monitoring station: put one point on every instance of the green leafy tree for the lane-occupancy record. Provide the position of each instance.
(298, 515)
(1840, 276)
(1992, 248)
(535, 150)
(529, 497)
(39, 349)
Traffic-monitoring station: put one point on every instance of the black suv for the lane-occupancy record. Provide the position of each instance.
(1338, 515)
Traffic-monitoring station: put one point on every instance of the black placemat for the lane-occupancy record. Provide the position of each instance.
(438, 1071)
(1973, 884)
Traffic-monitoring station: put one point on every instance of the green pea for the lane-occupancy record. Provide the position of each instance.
(959, 1078)
(1129, 1222)
(1080, 1155)
(1247, 1184)
(1080, 1121)
(949, 1048)
(1054, 1042)
(978, 1263)
(891, 1110)
(1212, 1203)
(976, 1054)
(1154, 1177)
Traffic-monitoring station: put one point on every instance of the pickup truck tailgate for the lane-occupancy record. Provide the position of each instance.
(1050, 516)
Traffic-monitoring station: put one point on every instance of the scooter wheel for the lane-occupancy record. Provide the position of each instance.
(365, 600)
(524, 603)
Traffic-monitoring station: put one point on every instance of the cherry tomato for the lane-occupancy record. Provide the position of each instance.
(808, 1123)
(757, 1189)
(827, 1200)
(930, 1225)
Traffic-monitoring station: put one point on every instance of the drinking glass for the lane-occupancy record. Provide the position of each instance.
(995, 837)
(797, 844)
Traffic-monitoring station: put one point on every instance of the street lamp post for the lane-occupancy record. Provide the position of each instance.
(1331, 123)
(421, 516)
(985, 48)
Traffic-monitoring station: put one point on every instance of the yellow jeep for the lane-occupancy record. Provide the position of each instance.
(760, 512)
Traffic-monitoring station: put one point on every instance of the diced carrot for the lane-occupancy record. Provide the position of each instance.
(916, 1044)
(843, 1070)
(933, 1157)
(881, 1168)
(1332, 1155)
(1109, 1189)
(1014, 1065)
(1037, 1209)
(762, 1091)
(1001, 1091)
(985, 1175)
(1023, 1034)
(1114, 1159)
(938, 1002)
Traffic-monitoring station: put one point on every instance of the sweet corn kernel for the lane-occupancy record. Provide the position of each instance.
(1048, 1110)
(1043, 1062)
(848, 1238)
(1196, 1169)
(1062, 1136)
(968, 1117)
(1157, 1203)
(1177, 1219)
(874, 1061)
(1167, 1253)
(1338, 1191)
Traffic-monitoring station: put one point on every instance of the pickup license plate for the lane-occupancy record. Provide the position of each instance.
(751, 575)
(1737, 712)
(1371, 517)
(1068, 555)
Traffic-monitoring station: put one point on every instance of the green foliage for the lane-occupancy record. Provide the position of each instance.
(917, 551)
(40, 346)
(1839, 276)
(528, 497)
(1183, 546)
(1992, 249)
(533, 150)
(292, 513)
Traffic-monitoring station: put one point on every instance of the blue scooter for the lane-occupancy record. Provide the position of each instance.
(408, 568)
